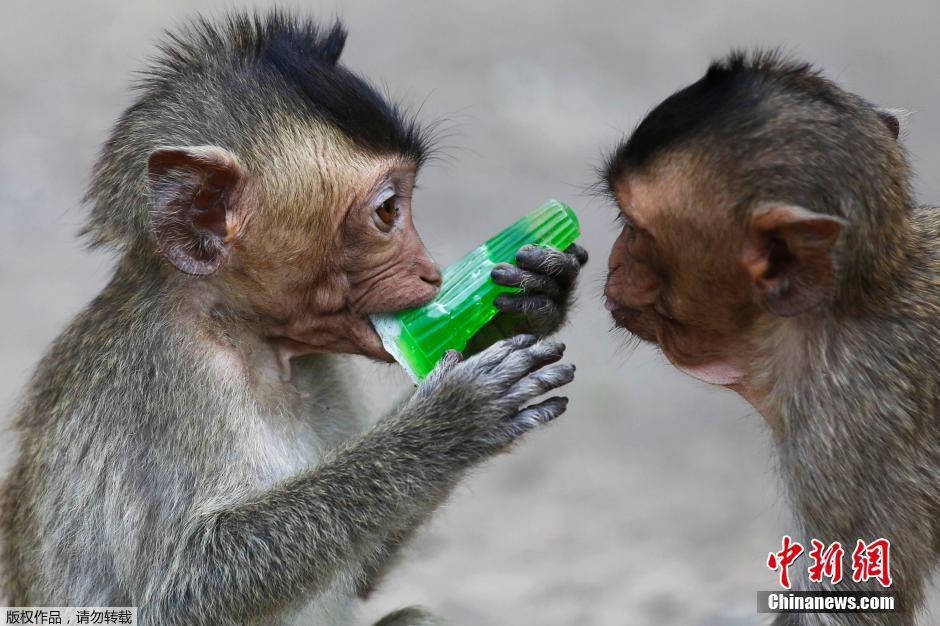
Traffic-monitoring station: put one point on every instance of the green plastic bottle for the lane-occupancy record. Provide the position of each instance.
(419, 337)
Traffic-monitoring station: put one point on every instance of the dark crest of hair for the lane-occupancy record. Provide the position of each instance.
(230, 83)
(758, 104)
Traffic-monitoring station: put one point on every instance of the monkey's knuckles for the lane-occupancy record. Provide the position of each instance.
(542, 314)
(546, 283)
(550, 262)
(540, 382)
(578, 253)
(526, 359)
(484, 397)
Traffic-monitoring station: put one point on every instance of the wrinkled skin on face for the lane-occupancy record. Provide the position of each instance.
(307, 251)
(368, 259)
(304, 252)
(673, 277)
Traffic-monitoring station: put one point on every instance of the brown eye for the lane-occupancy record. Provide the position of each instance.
(387, 211)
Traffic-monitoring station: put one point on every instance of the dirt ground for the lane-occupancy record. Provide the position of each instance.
(654, 500)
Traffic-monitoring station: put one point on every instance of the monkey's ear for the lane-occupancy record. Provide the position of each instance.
(196, 210)
(787, 256)
(893, 119)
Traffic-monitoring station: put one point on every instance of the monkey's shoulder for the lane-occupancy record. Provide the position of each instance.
(925, 264)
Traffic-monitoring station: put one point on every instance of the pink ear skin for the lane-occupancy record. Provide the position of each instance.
(195, 192)
(787, 257)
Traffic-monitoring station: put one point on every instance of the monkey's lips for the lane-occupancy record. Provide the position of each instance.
(641, 323)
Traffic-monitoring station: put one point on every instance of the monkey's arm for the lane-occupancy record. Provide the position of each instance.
(547, 278)
(259, 555)
(383, 559)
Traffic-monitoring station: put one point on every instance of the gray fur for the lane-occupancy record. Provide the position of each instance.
(860, 445)
(151, 476)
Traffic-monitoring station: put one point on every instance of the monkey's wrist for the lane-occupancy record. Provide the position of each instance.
(446, 437)
(416, 446)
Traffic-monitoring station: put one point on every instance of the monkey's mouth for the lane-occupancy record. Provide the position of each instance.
(638, 322)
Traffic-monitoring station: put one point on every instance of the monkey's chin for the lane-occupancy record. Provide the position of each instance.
(715, 373)
(713, 369)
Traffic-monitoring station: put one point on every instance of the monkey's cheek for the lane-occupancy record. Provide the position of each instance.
(370, 344)
(379, 354)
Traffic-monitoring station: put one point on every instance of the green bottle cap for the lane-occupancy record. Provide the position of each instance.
(419, 337)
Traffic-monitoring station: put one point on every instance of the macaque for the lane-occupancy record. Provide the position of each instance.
(193, 443)
(771, 245)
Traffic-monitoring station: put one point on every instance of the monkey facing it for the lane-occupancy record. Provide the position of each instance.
(193, 443)
(770, 244)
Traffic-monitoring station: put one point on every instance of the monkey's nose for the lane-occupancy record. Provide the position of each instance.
(430, 274)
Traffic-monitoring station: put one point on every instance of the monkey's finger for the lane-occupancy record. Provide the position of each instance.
(564, 267)
(579, 253)
(528, 305)
(530, 282)
(541, 382)
(447, 363)
(497, 353)
(527, 419)
(451, 358)
(540, 413)
(524, 362)
(541, 313)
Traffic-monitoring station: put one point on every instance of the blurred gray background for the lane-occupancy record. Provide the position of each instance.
(654, 500)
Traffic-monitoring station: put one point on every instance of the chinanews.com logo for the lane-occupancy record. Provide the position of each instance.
(870, 565)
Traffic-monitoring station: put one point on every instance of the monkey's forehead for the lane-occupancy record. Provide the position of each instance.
(321, 154)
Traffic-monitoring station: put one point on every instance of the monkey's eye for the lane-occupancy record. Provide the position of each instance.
(625, 222)
(628, 227)
(386, 213)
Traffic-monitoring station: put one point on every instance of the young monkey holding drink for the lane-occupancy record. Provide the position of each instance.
(193, 444)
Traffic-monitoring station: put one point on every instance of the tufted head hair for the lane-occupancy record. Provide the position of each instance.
(234, 83)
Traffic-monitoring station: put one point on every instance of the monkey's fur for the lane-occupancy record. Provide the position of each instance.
(851, 384)
(164, 463)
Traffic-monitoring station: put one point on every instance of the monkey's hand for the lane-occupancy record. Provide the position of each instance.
(546, 278)
(469, 410)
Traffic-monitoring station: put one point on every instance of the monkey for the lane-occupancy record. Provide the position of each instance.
(194, 443)
(770, 244)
